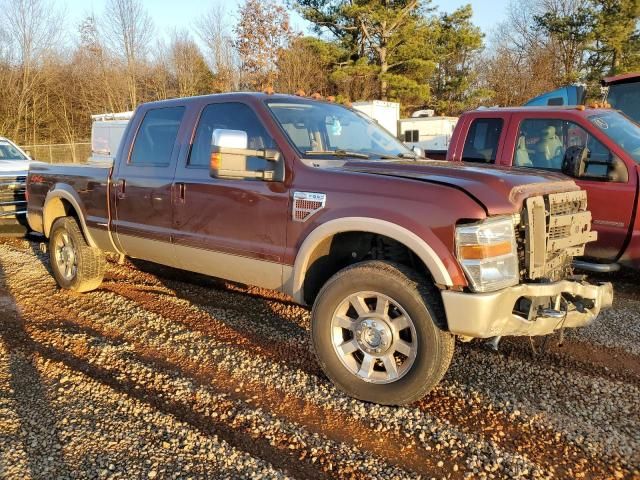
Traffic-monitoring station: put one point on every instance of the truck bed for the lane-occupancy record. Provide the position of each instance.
(86, 186)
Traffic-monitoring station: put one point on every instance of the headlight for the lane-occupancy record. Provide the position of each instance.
(488, 254)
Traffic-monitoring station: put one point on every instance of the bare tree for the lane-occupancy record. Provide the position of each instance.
(189, 67)
(31, 28)
(128, 30)
(213, 31)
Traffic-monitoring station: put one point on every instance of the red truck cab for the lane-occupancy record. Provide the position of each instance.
(539, 138)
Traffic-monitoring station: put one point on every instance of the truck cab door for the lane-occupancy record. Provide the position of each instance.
(231, 228)
(142, 185)
(610, 185)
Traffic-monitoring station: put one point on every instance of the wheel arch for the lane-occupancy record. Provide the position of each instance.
(62, 201)
(319, 239)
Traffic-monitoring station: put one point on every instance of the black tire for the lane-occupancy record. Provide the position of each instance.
(421, 302)
(90, 264)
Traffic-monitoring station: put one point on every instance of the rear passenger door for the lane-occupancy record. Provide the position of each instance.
(230, 228)
(143, 184)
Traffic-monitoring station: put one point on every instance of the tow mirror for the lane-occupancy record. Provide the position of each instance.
(575, 161)
(418, 151)
(230, 158)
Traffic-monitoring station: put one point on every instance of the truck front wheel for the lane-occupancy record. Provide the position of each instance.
(373, 329)
(76, 266)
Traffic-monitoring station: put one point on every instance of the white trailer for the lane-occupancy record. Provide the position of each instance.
(106, 132)
(386, 114)
(431, 134)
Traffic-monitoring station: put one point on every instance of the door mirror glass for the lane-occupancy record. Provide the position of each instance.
(574, 162)
(230, 158)
(418, 151)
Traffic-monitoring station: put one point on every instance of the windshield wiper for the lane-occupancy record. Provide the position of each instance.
(337, 153)
(411, 156)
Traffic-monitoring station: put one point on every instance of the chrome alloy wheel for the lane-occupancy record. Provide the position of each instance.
(65, 256)
(374, 337)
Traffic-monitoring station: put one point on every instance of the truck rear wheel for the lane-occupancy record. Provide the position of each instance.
(374, 332)
(76, 266)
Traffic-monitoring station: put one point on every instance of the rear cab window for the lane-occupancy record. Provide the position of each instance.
(483, 140)
(156, 137)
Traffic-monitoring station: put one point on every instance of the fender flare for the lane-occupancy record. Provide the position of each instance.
(64, 192)
(370, 225)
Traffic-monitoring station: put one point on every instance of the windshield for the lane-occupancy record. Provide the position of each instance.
(621, 130)
(9, 152)
(324, 129)
(626, 98)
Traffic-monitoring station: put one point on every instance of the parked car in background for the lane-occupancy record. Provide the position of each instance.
(14, 164)
(107, 130)
(395, 255)
(621, 92)
(544, 138)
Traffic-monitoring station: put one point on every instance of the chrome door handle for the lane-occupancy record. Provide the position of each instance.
(121, 188)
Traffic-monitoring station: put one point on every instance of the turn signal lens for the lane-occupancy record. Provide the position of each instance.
(215, 160)
(480, 252)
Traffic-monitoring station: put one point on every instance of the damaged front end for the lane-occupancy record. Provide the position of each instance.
(551, 230)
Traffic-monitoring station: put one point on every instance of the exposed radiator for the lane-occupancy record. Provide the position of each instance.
(557, 228)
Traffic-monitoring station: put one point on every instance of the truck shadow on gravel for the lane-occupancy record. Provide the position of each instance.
(37, 431)
(36, 415)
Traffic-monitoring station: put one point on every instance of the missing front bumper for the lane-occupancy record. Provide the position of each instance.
(484, 315)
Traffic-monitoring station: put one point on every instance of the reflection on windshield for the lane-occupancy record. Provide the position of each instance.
(324, 129)
(9, 152)
(621, 130)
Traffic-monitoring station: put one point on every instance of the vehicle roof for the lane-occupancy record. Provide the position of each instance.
(577, 110)
(237, 96)
(625, 77)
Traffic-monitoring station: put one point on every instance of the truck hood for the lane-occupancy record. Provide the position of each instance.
(499, 190)
(19, 167)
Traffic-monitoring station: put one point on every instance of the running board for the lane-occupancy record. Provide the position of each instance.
(596, 267)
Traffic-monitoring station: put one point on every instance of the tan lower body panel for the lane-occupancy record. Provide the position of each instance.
(235, 268)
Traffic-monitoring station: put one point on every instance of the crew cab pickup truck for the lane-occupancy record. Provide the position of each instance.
(541, 138)
(396, 255)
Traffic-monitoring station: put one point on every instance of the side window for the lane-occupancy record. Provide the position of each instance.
(412, 136)
(542, 143)
(156, 137)
(483, 140)
(229, 116)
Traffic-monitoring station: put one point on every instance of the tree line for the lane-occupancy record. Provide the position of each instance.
(52, 78)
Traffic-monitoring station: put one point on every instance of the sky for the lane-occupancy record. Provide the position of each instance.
(169, 15)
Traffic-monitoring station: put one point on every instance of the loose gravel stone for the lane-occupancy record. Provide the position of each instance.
(163, 374)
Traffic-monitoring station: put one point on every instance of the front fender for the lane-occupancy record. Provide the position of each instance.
(441, 274)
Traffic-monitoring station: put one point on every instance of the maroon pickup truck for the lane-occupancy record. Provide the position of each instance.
(396, 255)
(544, 138)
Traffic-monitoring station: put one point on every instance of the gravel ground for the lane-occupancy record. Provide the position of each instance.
(164, 374)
